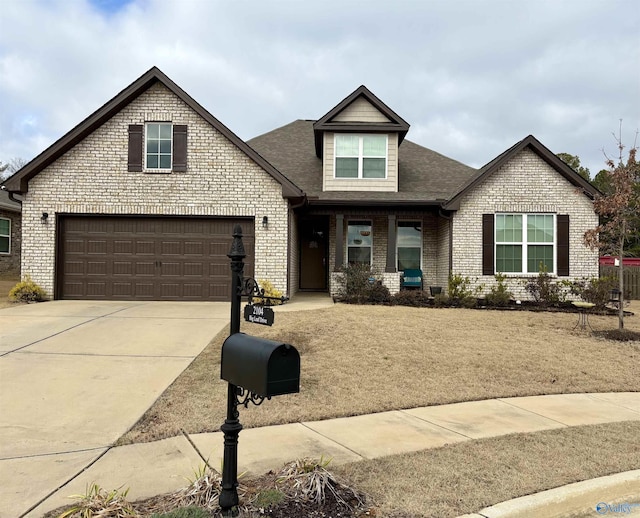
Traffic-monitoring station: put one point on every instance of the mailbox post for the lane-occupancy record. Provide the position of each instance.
(255, 369)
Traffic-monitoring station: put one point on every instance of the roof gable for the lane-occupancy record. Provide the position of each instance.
(19, 182)
(537, 147)
(340, 118)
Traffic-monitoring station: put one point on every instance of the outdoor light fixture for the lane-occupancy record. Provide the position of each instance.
(614, 296)
(44, 217)
(265, 221)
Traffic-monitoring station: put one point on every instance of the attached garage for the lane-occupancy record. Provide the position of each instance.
(148, 257)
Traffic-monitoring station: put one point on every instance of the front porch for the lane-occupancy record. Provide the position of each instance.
(390, 241)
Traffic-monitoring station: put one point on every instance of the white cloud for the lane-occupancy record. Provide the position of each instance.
(472, 78)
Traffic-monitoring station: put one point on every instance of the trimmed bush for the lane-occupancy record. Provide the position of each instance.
(27, 291)
(412, 298)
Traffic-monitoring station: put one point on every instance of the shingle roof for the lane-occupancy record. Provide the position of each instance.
(424, 175)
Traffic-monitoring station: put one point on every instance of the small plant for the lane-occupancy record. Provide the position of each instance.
(309, 480)
(203, 491)
(543, 290)
(184, 512)
(460, 292)
(269, 291)
(27, 291)
(268, 498)
(97, 502)
(499, 295)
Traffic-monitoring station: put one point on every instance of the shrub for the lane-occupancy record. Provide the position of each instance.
(499, 295)
(99, 502)
(596, 290)
(356, 284)
(543, 290)
(413, 298)
(460, 293)
(27, 291)
(269, 291)
(441, 301)
(379, 294)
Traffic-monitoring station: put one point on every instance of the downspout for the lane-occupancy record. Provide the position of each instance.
(13, 198)
(12, 195)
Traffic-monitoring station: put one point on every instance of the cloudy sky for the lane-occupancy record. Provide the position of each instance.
(472, 77)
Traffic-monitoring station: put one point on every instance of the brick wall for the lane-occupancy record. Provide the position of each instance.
(10, 263)
(92, 178)
(525, 184)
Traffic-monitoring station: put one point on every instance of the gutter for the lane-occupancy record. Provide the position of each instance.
(11, 195)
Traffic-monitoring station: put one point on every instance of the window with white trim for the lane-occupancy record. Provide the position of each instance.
(525, 243)
(360, 156)
(5, 236)
(409, 245)
(158, 145)
(359, 242)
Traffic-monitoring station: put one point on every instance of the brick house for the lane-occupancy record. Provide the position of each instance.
(10, 235)
(140, 199)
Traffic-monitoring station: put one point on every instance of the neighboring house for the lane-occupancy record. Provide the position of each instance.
(142, 196)
(10, 235)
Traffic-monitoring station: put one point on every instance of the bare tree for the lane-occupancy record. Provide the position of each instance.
(619, 210)
(13, 165)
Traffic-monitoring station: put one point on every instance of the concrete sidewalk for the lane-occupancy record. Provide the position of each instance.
(153, 468)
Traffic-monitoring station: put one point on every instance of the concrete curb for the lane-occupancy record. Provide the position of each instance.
(599, 495)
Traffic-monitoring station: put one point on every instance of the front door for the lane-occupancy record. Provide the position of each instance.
(314, 235)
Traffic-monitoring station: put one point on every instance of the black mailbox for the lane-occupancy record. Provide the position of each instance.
(262, 366)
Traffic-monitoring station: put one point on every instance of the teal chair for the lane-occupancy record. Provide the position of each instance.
(411, 279)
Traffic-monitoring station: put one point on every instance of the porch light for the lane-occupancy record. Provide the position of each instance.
(265, 222)
(44, 218)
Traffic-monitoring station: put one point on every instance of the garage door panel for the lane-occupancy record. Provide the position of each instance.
(96, 268)
(96, 247)
(97, 289)
(145, 248)
(148, 258)
(171, 248)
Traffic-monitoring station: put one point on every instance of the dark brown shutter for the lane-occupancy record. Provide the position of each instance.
(179, 148)
(562, 240)
(134, 162)
(487, 244)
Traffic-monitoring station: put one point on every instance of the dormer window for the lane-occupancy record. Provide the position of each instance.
(360, 156)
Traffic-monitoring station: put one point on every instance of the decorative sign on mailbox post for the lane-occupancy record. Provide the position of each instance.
(255, 369)
(258, 314)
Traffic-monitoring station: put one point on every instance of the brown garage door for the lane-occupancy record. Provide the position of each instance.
(148, 258)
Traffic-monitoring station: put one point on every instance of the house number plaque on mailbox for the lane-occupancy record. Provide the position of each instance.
(257, 314)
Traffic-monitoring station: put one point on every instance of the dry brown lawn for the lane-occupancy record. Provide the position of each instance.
(363, 359)
(466, 477)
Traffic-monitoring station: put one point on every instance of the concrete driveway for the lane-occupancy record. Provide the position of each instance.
(74, 376)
